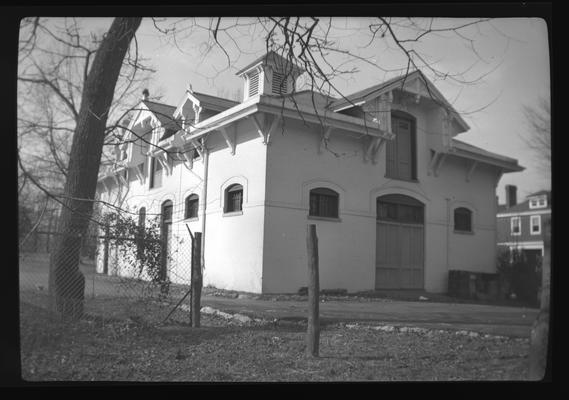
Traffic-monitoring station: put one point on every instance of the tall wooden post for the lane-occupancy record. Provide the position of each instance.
(106, 250)
(313, 328)
(538, 353)
(195, 299)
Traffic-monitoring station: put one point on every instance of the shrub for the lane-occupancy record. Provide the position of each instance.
(518, 276)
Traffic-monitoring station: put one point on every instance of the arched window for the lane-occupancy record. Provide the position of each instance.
(400, 208)
(462, 219)
(234, 198)
(166, 214)
(324, 203)
(192, 203)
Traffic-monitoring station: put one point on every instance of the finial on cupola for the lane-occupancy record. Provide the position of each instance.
(145, 94)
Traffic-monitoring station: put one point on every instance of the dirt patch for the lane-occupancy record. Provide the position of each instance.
(127, 349)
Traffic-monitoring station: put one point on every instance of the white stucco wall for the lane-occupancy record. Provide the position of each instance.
(233, 245)
(347, 248)
(263, 249)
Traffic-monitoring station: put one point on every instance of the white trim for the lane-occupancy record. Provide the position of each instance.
(519, 214)
(532, 232)
(524, 246)
(540, 202)
(536, 244)
(512, 226)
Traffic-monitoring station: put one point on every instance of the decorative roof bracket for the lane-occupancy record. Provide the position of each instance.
(230, 137)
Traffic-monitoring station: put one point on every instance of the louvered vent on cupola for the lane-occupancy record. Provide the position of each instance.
(254, 84)
(270, 74)
(279, 84)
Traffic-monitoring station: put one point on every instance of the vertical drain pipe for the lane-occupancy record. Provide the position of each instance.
(205, 153)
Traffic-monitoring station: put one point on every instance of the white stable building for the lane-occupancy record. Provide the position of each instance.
(397, 200)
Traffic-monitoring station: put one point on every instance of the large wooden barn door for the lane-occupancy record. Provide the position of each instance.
(399, 243)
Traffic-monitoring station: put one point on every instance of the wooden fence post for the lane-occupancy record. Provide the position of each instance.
(195, 299)
(313, 328)
(106, 250)
(538, 353)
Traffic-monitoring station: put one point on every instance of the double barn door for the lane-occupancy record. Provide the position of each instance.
(399, 243)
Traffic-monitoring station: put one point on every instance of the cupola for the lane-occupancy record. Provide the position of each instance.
(270, 74)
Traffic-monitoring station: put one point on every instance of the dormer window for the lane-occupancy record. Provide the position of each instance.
(279, 84)
(254, 84)
(538, 202)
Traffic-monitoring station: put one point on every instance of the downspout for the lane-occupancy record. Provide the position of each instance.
(204, 201)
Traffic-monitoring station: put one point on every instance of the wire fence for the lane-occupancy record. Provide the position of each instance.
(107, 275)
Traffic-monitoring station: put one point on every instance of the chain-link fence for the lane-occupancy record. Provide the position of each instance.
(117, 270)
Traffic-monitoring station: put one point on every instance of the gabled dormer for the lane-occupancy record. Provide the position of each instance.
(196, 107)
(270, 74)
(538, 200)
(151, 123)
(398, 93)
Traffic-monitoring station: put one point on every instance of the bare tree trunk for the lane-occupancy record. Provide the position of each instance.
(313, 328)
(66, 280)
(538, 354)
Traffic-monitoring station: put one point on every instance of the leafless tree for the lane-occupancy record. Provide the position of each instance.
(55, 56)
(538, 135)
(90, 106)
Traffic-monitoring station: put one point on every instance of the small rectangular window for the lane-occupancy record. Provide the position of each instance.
(535, 223)
(516, 226)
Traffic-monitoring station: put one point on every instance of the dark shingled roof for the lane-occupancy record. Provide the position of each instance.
(348, 100)
(165, 114)
(216, 102)
(473, 149)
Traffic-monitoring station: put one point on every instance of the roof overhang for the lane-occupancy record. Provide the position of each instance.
(506, 164)
(275, 106)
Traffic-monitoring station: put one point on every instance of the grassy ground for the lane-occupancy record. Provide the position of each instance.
(127, 349)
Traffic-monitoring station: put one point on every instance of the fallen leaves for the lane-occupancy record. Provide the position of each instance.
(124, 350)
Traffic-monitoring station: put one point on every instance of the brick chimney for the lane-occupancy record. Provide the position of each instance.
(511, 195)
(145, 94)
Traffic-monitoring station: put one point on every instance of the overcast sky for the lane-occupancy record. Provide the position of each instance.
(511, 56)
